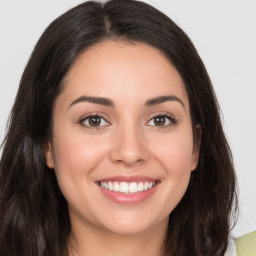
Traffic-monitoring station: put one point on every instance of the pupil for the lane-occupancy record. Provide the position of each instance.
(94, 121)
(159, 121)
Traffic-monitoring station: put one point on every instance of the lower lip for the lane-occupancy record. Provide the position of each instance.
(129, 198)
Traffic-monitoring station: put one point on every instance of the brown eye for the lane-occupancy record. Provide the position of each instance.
(161, 121)
(94, 121)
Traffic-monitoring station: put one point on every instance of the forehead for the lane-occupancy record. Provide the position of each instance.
(122, 69)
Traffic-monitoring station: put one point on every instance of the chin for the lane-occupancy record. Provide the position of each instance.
(131, 224)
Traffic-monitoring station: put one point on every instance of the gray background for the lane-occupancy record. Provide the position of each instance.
(224, 32)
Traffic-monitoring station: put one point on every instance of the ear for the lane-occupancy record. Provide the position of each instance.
(196, 147)
(49, 155)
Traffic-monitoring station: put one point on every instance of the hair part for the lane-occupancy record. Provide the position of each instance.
(33, 213)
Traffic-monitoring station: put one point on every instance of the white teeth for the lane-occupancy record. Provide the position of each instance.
(116, 186)
(104, 185)
(140, 187)
(126, 187)
(146, 186)
(133, 188)
(110, 186)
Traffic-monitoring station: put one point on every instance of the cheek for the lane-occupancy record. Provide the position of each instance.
(74, 159)
(175, 158)
(175, 153)
(71, 156)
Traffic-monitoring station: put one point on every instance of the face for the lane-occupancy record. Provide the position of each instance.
(122, 146)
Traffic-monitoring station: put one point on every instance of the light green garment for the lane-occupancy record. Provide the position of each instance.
(246, 245)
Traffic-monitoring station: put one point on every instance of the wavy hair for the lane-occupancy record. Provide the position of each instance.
(34, 218)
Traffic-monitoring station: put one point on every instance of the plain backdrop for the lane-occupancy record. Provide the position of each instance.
(223, 31)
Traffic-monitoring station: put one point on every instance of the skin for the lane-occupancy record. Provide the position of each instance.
(127, 142)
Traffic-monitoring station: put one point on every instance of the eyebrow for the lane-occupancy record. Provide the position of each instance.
(95, 100)
(108, 102)
(162, 99)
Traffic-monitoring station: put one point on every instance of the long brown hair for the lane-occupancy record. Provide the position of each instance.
(33, 213)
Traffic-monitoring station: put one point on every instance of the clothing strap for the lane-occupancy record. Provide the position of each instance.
(246, 245)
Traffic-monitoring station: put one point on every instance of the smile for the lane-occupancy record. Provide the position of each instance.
(130, 190)
(127, 187)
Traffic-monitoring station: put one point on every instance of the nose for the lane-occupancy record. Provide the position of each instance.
(129, 147)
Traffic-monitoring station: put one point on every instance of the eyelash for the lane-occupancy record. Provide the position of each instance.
(94, 115)
(85, 119)
(170, 118)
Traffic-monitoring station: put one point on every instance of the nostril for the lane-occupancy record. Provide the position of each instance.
(129, 161)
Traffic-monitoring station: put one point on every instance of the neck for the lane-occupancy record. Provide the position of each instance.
(91, 241)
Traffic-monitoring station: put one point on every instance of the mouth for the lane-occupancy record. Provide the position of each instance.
(127, 187)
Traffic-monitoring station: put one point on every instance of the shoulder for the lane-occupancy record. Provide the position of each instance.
(242, 246)
(246, 245)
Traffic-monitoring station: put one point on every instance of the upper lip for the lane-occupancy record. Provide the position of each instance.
(128, 178)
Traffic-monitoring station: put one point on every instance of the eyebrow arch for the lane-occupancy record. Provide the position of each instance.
(95, 100)
(162, 99)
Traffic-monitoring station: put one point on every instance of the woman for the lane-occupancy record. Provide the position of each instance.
(115, 145)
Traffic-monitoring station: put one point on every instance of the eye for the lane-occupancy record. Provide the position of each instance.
(161, 121)
(94, 121)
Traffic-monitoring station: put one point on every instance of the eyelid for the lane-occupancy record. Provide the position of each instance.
(94, 114)
(169, 116)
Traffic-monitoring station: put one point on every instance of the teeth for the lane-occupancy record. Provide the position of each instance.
(127, 188)
(140, 187)
(116, 186)
(104, 185)
(133, 187)
(124, 187)
(146, 186)
(110, 186)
